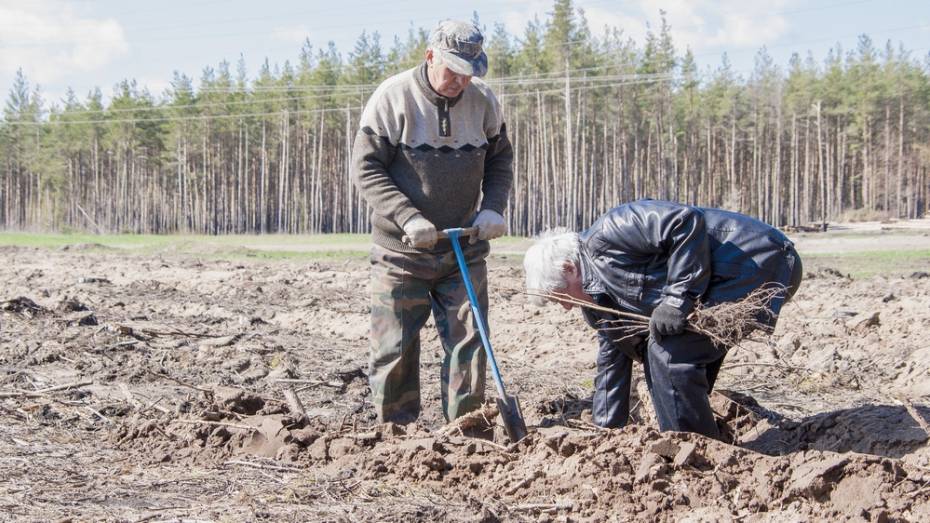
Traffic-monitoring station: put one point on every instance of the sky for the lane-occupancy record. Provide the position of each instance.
(84, 44)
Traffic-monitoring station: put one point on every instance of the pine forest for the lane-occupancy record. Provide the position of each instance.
(595, 118)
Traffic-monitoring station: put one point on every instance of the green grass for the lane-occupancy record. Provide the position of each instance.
(507, 250)
(341, 254)
(865, 264)
(265, 247)
(52, 240)
(25, 239)
(232, 247)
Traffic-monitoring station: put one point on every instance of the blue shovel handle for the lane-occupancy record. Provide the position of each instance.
(454, 235)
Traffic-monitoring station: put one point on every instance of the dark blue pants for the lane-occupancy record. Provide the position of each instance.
(680, 373)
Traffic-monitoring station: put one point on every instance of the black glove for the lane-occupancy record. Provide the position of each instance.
(666, 321)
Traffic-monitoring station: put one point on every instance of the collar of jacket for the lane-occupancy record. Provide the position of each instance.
(427, 89)
(590, 283)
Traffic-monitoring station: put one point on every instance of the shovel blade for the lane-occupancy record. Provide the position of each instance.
(512, 416)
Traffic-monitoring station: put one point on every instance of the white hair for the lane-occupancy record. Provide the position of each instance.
(434, 42)
(544, 261)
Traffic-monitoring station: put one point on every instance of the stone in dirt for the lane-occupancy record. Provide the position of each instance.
(665, 447)
(685, 455)
(813, 479)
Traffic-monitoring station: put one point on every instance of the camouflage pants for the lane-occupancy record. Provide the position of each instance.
(404, 289)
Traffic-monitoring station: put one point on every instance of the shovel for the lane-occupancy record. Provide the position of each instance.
(509, 406)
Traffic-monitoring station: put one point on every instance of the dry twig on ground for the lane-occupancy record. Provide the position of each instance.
(294, 404)
(179, 382)
(42, 392)
(216, 424)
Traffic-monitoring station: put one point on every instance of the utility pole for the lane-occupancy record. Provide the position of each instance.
(569, 167)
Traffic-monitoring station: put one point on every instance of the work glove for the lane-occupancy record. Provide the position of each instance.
(666, 321)
(420, 233)
(490, 225)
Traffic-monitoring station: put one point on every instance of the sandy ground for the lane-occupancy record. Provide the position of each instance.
(152, 388)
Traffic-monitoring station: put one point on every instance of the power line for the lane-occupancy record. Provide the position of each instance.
(582, 88)
(319, 111)
(609, 66)
(184, 118)
(168, 107)
(368, 89)
(360, 89)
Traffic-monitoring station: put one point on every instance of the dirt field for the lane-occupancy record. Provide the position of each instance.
(149, 385)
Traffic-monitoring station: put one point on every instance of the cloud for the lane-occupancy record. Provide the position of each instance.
(729, 24)
(742, 30)
(50, 40)
(519, 13)
(600, 18)
(698, 24)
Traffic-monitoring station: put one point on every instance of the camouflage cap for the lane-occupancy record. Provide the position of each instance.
(460, 46)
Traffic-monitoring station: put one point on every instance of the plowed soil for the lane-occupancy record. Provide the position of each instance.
(151, 387)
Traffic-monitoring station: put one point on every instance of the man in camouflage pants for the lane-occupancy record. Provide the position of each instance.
(431, 153)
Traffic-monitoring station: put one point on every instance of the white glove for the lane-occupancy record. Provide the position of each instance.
(490, 225)
(420, 233)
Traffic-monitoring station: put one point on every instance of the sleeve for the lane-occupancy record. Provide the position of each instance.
(372, 154)
(676, 232)
(498, 163)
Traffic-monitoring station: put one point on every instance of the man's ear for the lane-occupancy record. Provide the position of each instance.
(568, 267)
(429, 56)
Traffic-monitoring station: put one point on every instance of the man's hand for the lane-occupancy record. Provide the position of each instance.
(666, 321)
(420, 233)
(490, 225)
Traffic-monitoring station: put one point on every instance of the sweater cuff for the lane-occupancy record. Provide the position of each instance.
(405, 214)
(497, 207)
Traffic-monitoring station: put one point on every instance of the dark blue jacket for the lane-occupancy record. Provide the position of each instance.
(643, 253)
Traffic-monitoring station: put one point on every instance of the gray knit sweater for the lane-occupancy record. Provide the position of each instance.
(419, 153)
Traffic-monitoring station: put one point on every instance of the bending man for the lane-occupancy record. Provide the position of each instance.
(659, 259)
